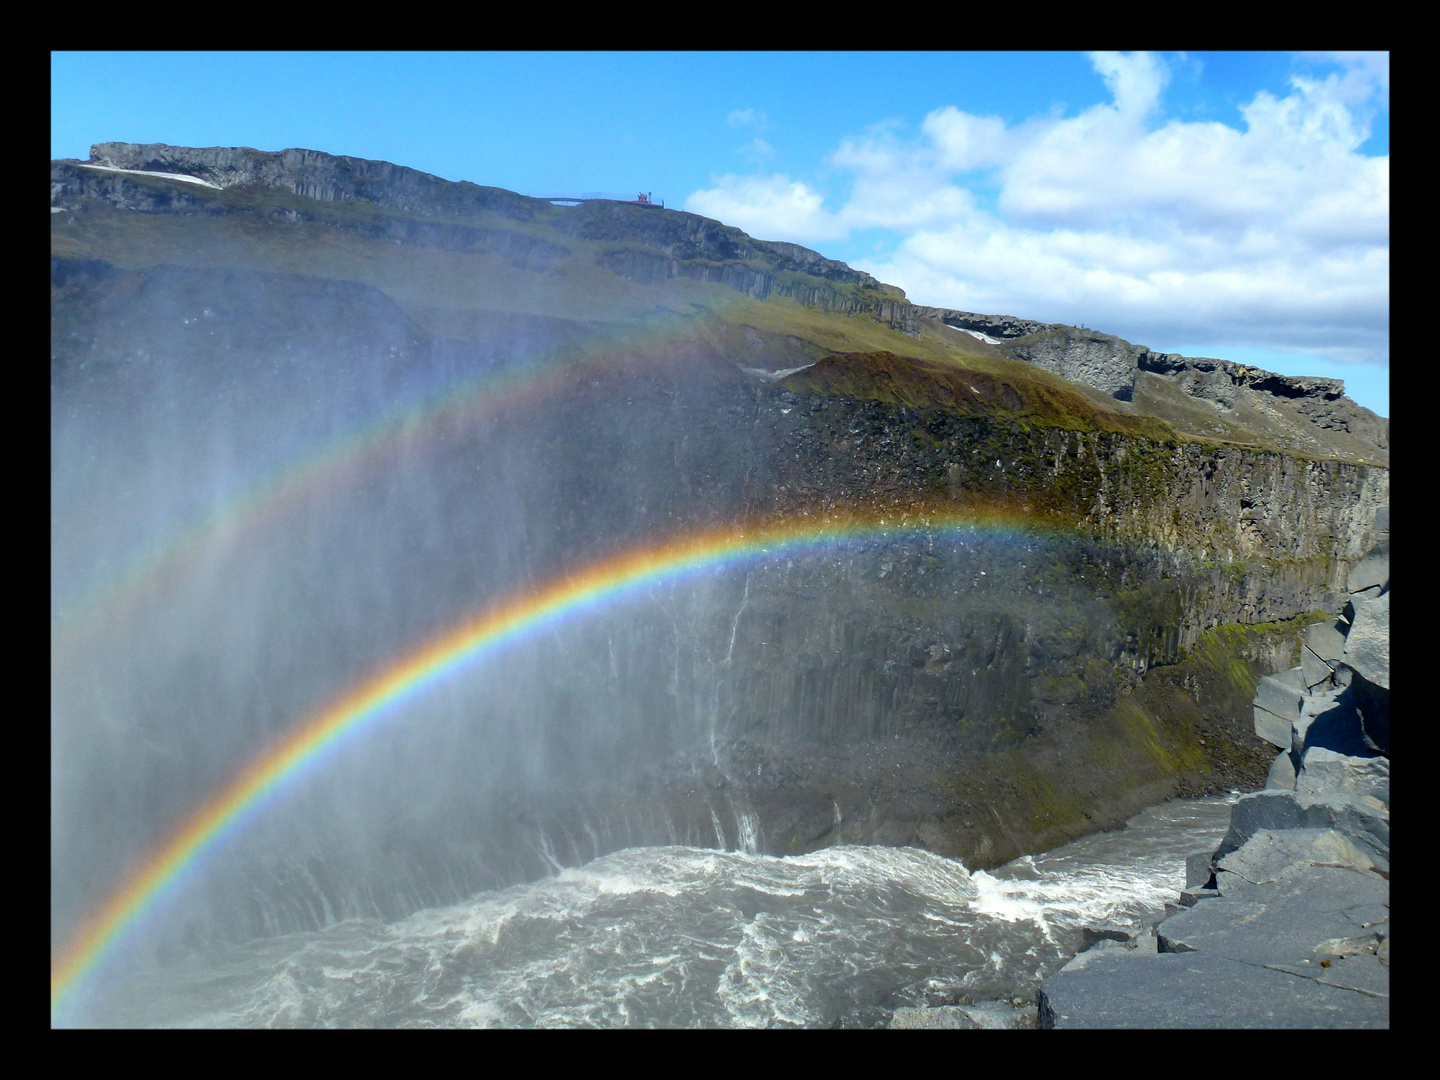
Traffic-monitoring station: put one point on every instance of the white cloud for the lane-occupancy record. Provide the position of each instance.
(964, 142)
(1150, 228)
(753, 118)
(758, 149)
(1134, 81)
(768, 208)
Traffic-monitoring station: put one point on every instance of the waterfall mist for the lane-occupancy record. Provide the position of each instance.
(269, 487)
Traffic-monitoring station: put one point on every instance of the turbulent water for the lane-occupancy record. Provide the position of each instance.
(690, 937)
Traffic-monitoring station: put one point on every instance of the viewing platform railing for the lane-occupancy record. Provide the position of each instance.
(605, 196)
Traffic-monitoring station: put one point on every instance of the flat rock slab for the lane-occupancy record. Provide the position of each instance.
(1372, 570)
(1285, 921)
(1325, 640)
(1282, 694)
(1200, 990)
(1324, 771)
(1276, 730)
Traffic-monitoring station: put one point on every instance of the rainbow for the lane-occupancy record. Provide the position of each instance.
(328, 468)
(313, 741)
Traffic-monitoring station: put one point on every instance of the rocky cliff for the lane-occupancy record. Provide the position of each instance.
(1287, 922)
(1205, 396)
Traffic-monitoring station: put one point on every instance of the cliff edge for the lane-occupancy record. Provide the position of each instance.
(1199, 396)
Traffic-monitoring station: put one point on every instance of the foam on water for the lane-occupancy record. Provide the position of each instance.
(677, 936)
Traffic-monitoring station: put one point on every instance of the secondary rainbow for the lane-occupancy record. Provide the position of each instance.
(327, 467)
(306, 747)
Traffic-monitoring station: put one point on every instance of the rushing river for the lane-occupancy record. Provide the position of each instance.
(692, 937)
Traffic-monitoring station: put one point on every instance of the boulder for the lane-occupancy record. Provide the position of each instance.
(1001, 1015)
(1362, 820)
(1282, 694)
(1282, 777)
(1091, 936)
(1373, 571)
(1273, 729)
(1323, 771)
(940, 1016)
(1325, 640)
(1270, 855)
(1317, 671)
(1199, 870)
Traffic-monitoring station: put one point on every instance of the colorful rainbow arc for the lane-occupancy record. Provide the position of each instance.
(330, 466)
(226, 813)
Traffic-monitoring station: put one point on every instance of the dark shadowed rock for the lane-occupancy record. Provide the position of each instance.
(1367, 655)
(1282, 773)
(1333, 722)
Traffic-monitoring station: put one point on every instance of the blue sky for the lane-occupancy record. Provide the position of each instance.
(1232, 205)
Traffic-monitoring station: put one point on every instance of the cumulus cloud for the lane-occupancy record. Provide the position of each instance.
(768, 208)
(1275, 231)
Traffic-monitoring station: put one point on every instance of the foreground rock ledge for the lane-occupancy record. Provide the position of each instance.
(1120, 989)
(1288, 924)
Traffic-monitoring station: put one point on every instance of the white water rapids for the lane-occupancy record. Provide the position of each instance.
(692, 937)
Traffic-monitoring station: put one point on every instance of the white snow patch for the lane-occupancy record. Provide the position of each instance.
(773, 376)
(974, 333)
(163, 175)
